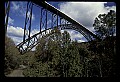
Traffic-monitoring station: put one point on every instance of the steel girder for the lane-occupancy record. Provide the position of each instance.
(43, 21)
(58, 19)
(62, 15)
(7, 5)
(75, 27)
(34, 40)
(27, 27)
(23, 47)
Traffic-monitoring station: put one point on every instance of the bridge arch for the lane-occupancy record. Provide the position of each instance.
(34, 40)
(58, 18)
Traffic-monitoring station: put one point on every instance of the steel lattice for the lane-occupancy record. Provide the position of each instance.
(57, 18)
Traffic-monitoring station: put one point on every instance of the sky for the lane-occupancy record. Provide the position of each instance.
(83, 12)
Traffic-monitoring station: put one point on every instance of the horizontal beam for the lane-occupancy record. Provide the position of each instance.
(54, 10)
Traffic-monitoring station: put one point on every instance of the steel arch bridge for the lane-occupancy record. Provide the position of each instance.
(58, 19)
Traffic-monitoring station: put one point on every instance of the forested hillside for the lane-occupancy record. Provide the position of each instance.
(57, 56)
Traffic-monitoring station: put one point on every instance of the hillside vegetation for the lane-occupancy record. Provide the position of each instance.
(57, 56)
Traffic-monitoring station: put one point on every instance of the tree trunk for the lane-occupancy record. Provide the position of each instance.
(100, 66)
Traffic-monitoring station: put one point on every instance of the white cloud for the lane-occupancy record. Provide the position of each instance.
(33, 17)
(111, 8)
(19, 32)
(15, 31)
(23, 13)
(73, 34)
(84, 12)
(15, 6)
(20, 9)
(10, 21)
(34, 31)
(16, 40)
(80, 41)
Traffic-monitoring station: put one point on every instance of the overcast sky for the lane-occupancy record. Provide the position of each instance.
(83, 12)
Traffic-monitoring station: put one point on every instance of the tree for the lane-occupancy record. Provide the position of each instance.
(105, 24)
(46, 57)
(104, 55)
(11, 56)
(57, 56)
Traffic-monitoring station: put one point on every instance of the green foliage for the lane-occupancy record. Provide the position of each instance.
(105, 24)
(26, 59)
(104, 53)
(11, 56)
(56, 56)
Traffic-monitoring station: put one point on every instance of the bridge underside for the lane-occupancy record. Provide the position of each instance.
(57, 18)
(31, 42)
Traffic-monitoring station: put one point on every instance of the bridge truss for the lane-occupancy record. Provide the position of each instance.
(58, 19)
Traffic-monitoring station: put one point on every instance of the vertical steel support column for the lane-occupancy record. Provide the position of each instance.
(7, 15)
(46, 22)
(65, 22)
(52, 22)
(29, 28)
(41, 20)
(60, 20)
(25, 23)
(60, 23)
(57, 19)
(30, 20)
